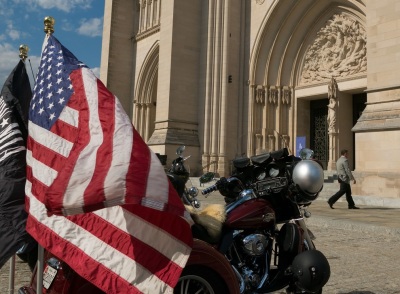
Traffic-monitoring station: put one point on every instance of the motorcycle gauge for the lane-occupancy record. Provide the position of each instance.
(260, 174)
(273, 170)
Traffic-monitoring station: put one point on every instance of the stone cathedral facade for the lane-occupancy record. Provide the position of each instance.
(237, 78)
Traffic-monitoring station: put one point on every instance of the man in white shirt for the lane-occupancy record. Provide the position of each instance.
(344, 178)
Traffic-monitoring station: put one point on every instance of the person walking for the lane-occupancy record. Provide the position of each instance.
(344, 178)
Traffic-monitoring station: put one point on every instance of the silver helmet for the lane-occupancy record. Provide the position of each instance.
(308, 176)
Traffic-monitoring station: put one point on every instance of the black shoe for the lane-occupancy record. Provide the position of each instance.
(354, 207)
(330, 205)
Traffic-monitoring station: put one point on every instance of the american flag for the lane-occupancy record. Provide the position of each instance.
(98, 197)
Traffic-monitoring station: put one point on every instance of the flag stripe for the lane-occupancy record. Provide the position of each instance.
(40, 171)
(49, 140)
(106, 111)
(123, 140)
(91, 138)
(70, 116)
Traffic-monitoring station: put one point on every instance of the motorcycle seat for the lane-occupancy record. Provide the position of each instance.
(201, 233)
(241, 162)
(261, 158)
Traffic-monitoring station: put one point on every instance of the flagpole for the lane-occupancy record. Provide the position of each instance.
(48, 29)
(12, 275)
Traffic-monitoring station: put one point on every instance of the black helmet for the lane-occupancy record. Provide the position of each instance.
(311, 270)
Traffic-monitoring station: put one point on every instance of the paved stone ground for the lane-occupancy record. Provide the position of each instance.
(361, 262)
(362, 248)
(22, 276)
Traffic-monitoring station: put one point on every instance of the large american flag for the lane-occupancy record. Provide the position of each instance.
(97, 196)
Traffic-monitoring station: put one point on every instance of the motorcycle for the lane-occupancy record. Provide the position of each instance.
(179, 175)
(261, 229)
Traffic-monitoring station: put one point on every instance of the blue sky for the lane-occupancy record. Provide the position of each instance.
(78, 26)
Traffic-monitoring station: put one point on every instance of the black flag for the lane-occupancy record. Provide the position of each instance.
(14, 104)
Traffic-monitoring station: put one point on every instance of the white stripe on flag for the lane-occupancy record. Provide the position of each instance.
(115, 181)
(157, 183)
(70, 116)
(40, 171)
(145, 232)
(52, 141)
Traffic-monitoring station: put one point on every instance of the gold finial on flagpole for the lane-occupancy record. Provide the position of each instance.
(49, 25)
(23, 52)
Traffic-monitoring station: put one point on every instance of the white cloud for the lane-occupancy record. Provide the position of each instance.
(64, 5)
(12, 33)
(9, 58)
(91, 27)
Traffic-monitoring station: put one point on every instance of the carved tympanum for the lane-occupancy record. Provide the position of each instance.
(339, 50)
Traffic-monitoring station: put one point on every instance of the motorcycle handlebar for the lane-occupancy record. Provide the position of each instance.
(209, 189)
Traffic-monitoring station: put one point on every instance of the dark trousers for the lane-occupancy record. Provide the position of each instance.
(344, 189)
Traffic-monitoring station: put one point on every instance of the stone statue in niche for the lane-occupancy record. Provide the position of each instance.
(339, 50)
(332, 106)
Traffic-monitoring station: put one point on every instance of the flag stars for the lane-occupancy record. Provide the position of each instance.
(49, 95)
(49, 76)
(59, 64)
(41, 110)
(49, 86)
(40, 100)
(58, 72)
(59, 80)
(61, 101)
(51, 105)
(49, 67)
(52, 116)
(4, 122)
(60, 90)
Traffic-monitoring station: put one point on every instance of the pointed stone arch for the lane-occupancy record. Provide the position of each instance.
(277, 61)
(145, 101)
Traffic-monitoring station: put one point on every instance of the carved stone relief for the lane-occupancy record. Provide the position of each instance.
(338, 50)
(273, 95)
(260, 94)
(332, 106)
(286, 97)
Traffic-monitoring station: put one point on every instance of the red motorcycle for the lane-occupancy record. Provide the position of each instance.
(261, 230)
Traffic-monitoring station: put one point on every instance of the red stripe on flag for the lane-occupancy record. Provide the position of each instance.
(65, 130)
(106, 112)
(46, 156)
(139, 167)
(38, 188)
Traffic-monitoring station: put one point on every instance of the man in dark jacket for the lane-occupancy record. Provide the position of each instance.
(344, 177)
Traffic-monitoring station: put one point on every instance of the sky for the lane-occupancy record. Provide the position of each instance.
(78, 26)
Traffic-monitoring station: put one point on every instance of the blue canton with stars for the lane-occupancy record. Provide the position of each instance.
(53, 87)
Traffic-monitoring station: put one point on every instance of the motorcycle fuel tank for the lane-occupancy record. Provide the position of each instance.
(254, 213)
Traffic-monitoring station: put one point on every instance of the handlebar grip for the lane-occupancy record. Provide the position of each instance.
(209, 190)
